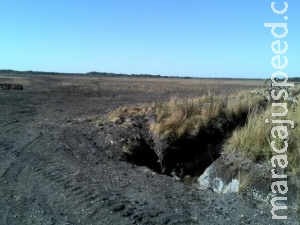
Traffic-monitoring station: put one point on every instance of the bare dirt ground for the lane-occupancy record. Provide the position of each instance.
(57, 166)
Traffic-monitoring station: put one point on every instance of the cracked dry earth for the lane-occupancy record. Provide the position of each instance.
(57, 166)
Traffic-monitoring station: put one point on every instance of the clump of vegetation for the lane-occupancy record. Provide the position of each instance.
(139, 110)
(187, 116)
(253, 140)
(178, 117)
(295, 91)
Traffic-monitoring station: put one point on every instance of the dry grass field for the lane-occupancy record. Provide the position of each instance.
(173, 86)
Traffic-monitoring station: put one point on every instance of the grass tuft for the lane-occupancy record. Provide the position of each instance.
(137, 110)
(295, 90)
(253, 140)
(181, 116)
(178, 117)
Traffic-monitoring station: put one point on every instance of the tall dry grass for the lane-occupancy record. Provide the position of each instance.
(254, 139)
(295, 90)
(181, 116)
(136, 110)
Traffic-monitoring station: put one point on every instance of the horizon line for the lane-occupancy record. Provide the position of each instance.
(96, 73)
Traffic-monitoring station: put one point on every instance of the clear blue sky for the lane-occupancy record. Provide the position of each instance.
(213, 38)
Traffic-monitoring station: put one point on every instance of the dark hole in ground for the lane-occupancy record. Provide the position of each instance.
(191, 156)
(142, 154)
(188, 155)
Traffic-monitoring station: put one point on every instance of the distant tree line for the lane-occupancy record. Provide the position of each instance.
(30, 72)
(294, 79)
(290, 79)
(105, 74)
(93, 73)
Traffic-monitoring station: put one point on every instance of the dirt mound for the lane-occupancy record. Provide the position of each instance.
(11, 87)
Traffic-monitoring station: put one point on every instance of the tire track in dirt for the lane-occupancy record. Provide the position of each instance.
(69, 193)
(13, 154)
(9, 126)
(58, 176)
(8, 130)
(79, 192)
(66, 189)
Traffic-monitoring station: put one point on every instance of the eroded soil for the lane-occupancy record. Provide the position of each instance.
(58, 166)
